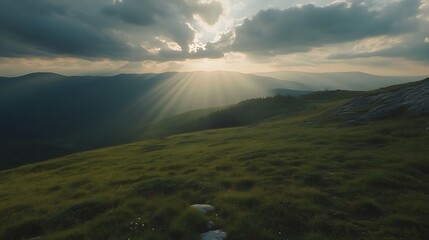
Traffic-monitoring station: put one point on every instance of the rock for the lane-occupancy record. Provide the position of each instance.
(348, 114)
(409, 101)
(203, 208)
(213, 235)
(308, 122)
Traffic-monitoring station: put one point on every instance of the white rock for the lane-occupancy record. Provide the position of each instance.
(203, 208)
(213, 235)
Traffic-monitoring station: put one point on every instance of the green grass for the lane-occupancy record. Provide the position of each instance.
(277, 179)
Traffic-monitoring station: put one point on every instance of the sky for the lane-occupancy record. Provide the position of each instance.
(106, 37)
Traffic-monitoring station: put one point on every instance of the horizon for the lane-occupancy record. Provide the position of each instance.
(377, 37)
(214, 71)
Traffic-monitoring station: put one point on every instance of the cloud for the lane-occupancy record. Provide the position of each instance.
(414, 47)
(208, 11)
(171, 30)
(146, 12)
(132, 12)
(121, 30)
(49, 29)
(299, 29)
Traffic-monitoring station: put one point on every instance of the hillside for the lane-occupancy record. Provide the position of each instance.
(44, 115)
(244, 113)
(409, 100)
(286, 177)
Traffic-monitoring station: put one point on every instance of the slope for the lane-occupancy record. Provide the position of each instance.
(43, 115)
(278, 179)
(244, 113)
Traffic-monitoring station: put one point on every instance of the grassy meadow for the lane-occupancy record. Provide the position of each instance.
(278, 178)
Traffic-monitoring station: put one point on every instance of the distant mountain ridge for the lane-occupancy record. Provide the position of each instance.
(355, 81)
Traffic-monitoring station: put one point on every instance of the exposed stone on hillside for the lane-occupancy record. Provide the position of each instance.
(203, 208)
(213, 235)
(409, 101)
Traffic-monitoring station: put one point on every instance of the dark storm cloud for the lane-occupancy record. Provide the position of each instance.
(299, 29)
(50, 28)
(145, 12)
(133, 12)
(100, 28)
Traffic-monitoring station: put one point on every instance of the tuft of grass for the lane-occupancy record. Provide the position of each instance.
(79, 213)
(284, 216)
(24, 230)
(367, 208)
(188, 225)
(158, 187)
(244, 184)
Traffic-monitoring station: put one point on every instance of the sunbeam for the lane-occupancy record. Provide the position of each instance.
(182, 92)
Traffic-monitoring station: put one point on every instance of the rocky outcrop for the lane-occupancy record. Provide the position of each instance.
(203, 208)
(213, 235)
(408, 101)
